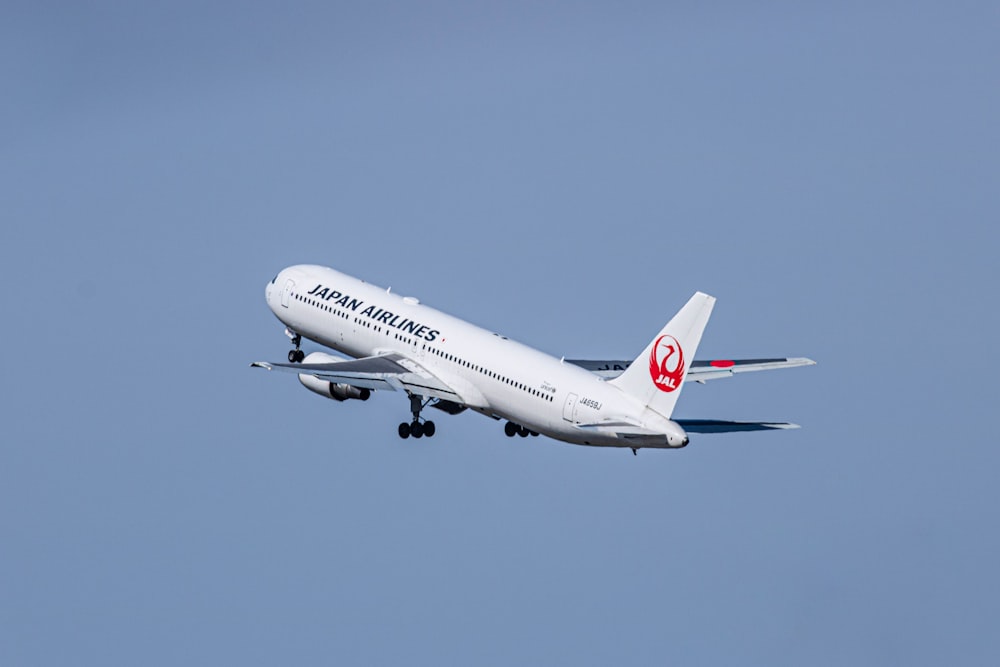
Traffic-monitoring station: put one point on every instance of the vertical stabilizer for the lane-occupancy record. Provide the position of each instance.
(656, 377)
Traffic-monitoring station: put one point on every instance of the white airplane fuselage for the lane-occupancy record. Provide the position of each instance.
(495, 376)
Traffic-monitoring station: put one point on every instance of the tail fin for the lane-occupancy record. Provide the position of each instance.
(656, 377)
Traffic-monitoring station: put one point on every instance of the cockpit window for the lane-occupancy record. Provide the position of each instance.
(274, 279)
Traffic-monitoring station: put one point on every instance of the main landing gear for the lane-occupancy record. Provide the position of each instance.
(417, 428)
(512, 429)
(295, 356)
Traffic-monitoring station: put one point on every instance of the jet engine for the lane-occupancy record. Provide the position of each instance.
(334, 390)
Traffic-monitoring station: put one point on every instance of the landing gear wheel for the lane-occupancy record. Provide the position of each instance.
(404, 430)
(418, 427)
(523, 432)
(510, 428)
(296, 355)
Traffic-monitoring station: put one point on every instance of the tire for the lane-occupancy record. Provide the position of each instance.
(429, 429)
(510, 428)
(417, 430)
(404, 430)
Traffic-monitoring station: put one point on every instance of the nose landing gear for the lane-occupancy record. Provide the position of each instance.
(295, 356)
(418, 428)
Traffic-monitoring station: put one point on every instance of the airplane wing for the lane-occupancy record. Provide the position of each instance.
(393, 372)
(717, 426)
(628, 431)
(700, 369)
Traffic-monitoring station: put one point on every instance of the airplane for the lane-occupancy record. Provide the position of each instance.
(397, 343)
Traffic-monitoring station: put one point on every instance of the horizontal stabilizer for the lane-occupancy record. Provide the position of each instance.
(718, 426)
(700, 370)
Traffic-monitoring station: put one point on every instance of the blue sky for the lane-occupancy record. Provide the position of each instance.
(567, 175)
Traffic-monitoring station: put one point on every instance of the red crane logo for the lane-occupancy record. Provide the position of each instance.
(666, 363)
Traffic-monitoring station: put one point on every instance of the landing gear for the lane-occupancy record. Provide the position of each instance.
(512, 429)
(635, 451)
(295, 356)
(418, 428)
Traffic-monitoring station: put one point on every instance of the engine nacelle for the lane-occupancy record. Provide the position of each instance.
(334, 390)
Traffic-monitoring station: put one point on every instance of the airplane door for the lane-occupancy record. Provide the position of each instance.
(286, 293)
(569, 410)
